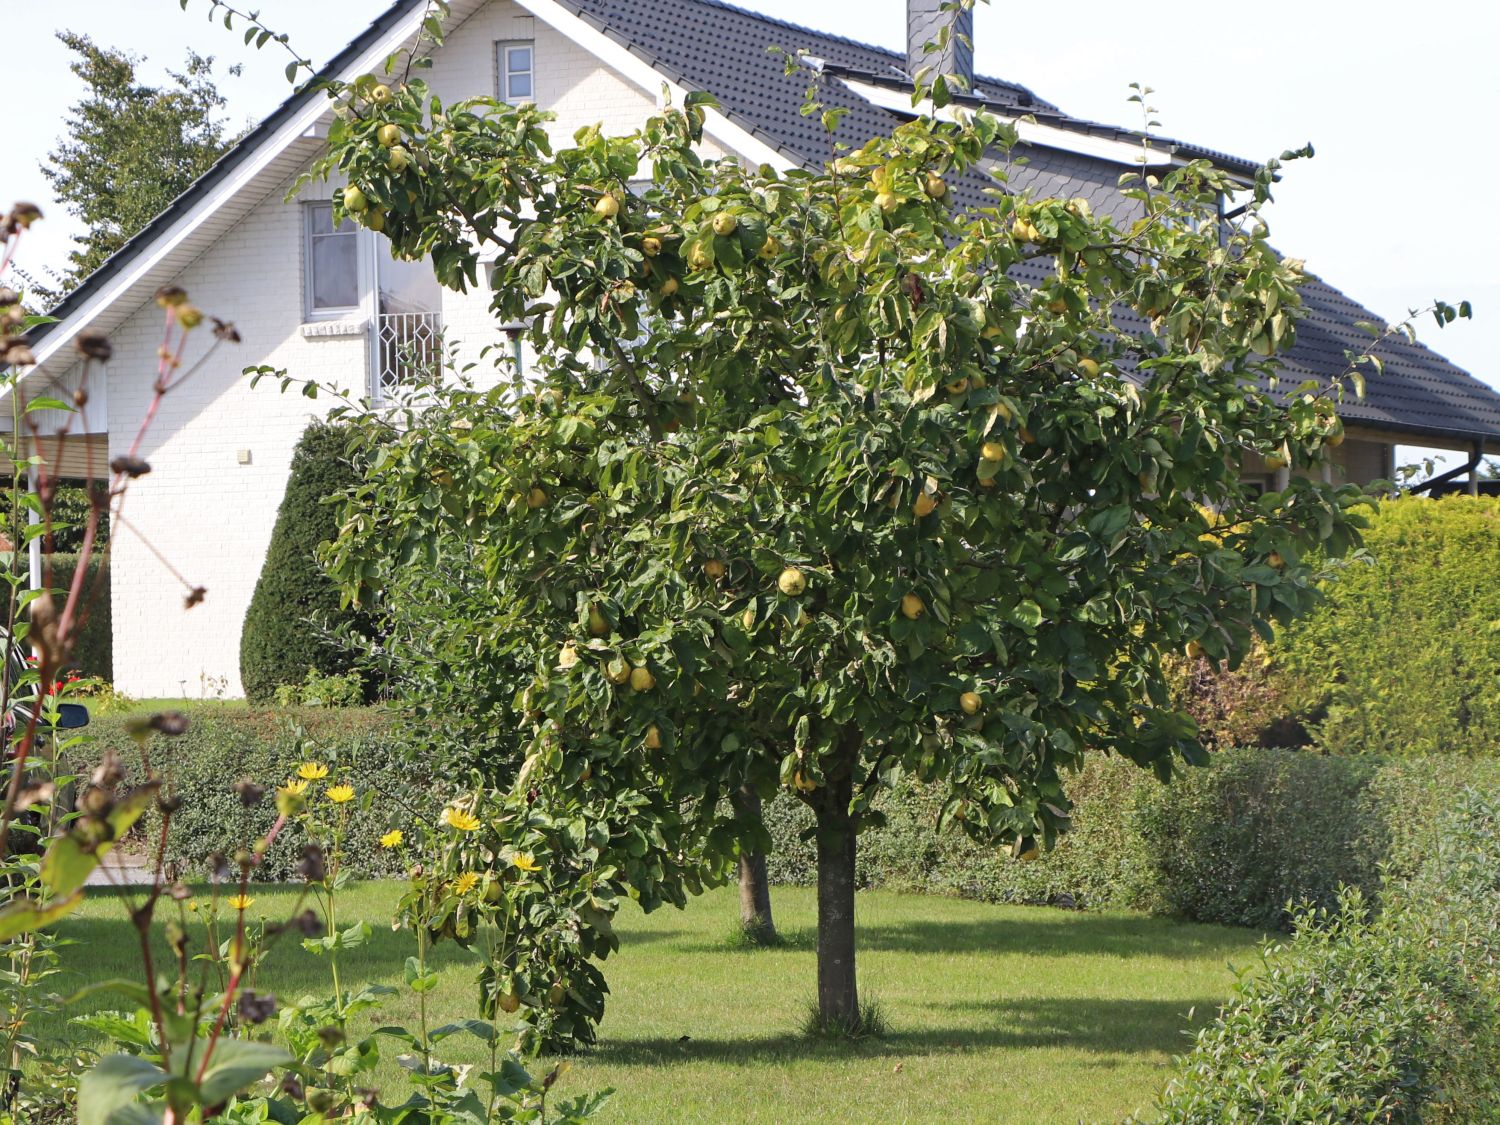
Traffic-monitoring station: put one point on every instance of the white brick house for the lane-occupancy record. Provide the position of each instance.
(314, 301)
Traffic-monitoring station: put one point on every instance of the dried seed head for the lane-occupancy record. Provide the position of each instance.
(94, 345)
(81, 397)
(308, 923)
(170, 296)
(131, 466)
(169, 723)
(8, 296)
(168, 803)
(218, 865)
(41, 793)
(108, 773)
(195, 597)
(224, 330)
(312, 866)
(250, 794)
(189, 316)
(257, 1007)
(180, 892)
(19, 355)
(22, 215)
(331, 1036)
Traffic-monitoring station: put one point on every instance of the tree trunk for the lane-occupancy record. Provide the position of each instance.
(838, 996)
(755, 885)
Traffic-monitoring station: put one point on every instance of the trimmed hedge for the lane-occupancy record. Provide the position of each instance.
(1363, 1017)
(1402, 658)
(1234, 843)
(93, 649)
(296, 606)
(225, 744)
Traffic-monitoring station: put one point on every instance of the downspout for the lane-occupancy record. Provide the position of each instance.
(34, 548)
(1471, 467)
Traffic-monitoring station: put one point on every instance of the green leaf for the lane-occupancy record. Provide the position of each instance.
(27, 914)
(235, 1064)
(112, 1085)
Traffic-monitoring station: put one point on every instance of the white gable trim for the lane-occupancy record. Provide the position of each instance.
(301, 124)
(716, 124)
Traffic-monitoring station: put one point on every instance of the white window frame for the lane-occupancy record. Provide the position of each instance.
(361, 270)
(503, 72)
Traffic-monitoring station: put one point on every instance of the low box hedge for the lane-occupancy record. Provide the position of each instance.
(1235, 842)
(225, 744)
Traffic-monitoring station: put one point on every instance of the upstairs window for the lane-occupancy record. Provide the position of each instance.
(332, 262)
(515, 66)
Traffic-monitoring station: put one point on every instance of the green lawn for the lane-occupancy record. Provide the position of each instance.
(997, 1013)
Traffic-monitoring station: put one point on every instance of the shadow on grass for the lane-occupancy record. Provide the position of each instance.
(1054, 933)
(1042, 932)
(1107, 1027)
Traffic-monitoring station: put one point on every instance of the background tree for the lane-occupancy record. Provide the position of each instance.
(130, 148)
(832, 478)
(295, 621)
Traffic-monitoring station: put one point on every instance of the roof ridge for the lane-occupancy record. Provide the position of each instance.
(899, 56)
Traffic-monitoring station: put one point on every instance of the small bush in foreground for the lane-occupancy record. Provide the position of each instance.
(1363, 1017)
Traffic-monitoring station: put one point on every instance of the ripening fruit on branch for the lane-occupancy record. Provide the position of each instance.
(653, 737)
(992, 451)
(398, 159)
(651, 246)
(375, 219)
(1089, 367)
(568, 655)
(699, 259)
(617, 672)
(607, 207)
(791, 582)
(970, 702)
(668, 287)
(957, 387)
(1194, 650)
(912, 606)
(388, 135)
(770, 248)
(641, 679)
(747, 619)
(354, 200)
(1275, 561)
(381, 95)
(887, 201)
(536, 498)
(1275, 461)
(925, 504)
(934, 186)
(598, 626)
(509, 1001)
(724, 224)
(714, 568)
(804, 783)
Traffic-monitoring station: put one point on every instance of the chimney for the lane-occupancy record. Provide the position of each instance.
(925, 20)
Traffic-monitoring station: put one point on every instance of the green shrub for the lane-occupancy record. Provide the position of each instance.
(93, 648)
(1364, 1017)
(1402, 658)
(1236, 842)
(226, 744)
(318, 690)
(295, 611)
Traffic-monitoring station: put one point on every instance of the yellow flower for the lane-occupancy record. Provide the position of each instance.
(458, 818)
(312, 771)
(392, 839)
(338, 794)
(241, 902)
(465, 883)
(525, 861)
(295, 788)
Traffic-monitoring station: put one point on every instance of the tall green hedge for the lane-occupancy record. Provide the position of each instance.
(1237, 842)
(93, 648)
(1402, 658)
(295, 604)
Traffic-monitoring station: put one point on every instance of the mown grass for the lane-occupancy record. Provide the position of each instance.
(996, 1014)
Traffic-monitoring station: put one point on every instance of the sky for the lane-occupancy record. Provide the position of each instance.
(1398, 99)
